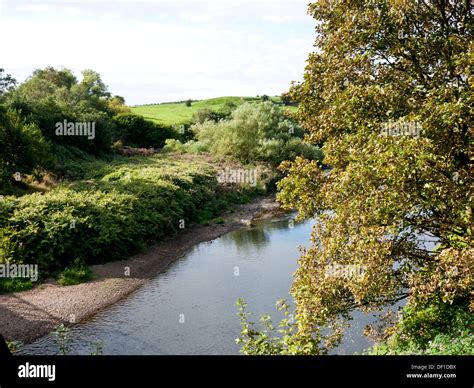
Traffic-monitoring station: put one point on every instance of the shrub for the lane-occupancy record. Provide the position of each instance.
(255, 132)
(75, 274)
(14, 346)
(134, 130)
(22, 145)
(286, 99)
(14, 285)
(192, 146)
(110, 217)
(7, 82)
(51, 96)
(437, 329)
(205, 114)
(295, 147)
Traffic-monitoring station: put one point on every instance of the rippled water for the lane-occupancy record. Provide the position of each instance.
(190, 308)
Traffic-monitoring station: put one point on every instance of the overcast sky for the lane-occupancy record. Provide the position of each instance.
(156, 51)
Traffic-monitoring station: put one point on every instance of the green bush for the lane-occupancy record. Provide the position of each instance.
(437, 329)
(50, 96)
(206, 114)
(14, 346)
(14, 285)
(192, 146)
(111, 216)
(294, 147)
(75, 274)
(22, 146)
(134, 130)
(255, 132)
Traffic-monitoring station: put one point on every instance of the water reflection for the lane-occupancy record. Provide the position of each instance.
(190, 308)
(250, 239)
(258, 236)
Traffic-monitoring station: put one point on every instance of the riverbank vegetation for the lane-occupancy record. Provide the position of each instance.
(252, 132)
(386, 102)
(72, 199)
(399, 62)
(114, 210)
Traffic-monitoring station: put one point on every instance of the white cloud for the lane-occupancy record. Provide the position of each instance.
(157, 56)
(32, 7)
(111, 15)
(73, 11)
(196, 18)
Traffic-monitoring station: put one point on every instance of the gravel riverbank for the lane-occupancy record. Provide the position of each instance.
(26, 316)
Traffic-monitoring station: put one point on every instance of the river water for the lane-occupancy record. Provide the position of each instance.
(190, 308)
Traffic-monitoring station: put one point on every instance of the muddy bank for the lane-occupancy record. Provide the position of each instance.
(28, 315)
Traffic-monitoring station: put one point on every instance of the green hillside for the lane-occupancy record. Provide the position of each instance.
(178, 112)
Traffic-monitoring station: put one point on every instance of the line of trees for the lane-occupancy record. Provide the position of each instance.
(29, 113)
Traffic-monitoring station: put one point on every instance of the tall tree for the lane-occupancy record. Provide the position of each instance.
(384, 64)
(7, 82)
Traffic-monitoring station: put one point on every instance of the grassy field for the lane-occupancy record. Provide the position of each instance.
(179, 113)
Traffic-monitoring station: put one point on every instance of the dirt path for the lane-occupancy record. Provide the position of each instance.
(28, 315)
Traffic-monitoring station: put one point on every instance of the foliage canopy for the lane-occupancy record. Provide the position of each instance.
(376, 62)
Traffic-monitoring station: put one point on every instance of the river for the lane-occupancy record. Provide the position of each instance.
(190, 308)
